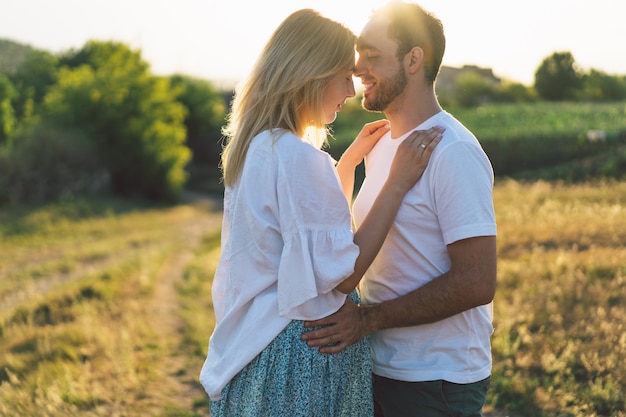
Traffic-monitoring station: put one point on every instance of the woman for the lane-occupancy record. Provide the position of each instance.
(288, 251)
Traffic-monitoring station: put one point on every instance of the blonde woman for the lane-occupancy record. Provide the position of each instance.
(289, 253)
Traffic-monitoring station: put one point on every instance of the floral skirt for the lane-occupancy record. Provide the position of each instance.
(290, 379)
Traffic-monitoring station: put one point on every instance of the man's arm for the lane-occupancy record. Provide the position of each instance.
(470, 282)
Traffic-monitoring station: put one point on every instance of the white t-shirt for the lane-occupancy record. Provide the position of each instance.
(287, 242)
(452, 201)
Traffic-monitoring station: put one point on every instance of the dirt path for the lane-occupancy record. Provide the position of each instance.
(171, 387)
(176, 387)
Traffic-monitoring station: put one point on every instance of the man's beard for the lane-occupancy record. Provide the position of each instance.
(387, 90)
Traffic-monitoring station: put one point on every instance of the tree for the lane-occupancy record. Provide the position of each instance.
(7, 115)
(12, 55)
(598, 85)
(44, 163)
(558, 78)
(32, 79)
(472, 89)
(108, 92)
(206, 110)
(514, 92)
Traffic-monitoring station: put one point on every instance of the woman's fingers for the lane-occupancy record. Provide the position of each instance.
(375, 129)
(425, 140)
(425, 137)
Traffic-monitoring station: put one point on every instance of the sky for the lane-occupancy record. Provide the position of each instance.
(220, 40)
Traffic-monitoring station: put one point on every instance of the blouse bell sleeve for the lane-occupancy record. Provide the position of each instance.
(319, 250)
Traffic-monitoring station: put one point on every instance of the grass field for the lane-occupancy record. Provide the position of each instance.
(560, 309)
(544, 140)
(105, 305)
(509, 121)
(99, 302)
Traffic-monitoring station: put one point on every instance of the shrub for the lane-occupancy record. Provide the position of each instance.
(132, 116)
(46, 163)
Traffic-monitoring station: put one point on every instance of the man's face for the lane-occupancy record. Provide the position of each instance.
(382, 75)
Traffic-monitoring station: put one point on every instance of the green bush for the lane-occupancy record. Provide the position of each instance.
(7, 114)
(46, 163)
(132, 117)
(206, 112)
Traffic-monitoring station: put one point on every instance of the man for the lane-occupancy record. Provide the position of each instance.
(427, 296)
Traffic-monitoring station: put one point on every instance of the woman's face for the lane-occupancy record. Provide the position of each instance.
(339, 88)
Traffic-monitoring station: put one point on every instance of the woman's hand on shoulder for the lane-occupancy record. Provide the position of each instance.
(412, 156)
(369, 135)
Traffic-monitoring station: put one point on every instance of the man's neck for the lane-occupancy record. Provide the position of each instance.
(406, 113)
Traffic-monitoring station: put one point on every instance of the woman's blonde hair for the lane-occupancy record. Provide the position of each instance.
(284, 89)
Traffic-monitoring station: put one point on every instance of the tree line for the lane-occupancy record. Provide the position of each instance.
(97, 119)
(558, 78)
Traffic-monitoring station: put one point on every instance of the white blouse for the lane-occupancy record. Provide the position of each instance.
(287, 242)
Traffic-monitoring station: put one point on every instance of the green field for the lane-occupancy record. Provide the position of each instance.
(511, 121)
(530, 141)
(106, 305)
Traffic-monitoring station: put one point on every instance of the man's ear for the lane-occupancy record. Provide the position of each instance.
(415, 59)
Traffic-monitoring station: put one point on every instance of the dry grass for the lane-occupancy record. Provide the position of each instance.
(105, 308)
(560, 310)
(95, 339)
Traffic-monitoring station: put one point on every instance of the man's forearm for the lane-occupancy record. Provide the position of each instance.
(471, 282)
(428, 304)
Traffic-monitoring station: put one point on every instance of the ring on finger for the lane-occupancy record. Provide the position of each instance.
(422, 146)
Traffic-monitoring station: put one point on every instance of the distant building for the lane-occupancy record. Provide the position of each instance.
(448, 75)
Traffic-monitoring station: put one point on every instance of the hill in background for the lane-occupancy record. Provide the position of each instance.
(13, 54)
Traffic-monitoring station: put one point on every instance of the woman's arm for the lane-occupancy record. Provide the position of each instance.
(353, 156)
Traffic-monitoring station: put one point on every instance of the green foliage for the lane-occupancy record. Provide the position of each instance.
(599, 86)
(206, 110)
(32, 79)
(29, 74)
(513, 92)
(557, 78)
(136, 122)
(570, 119)
(472, 89)
(46, 163)
(132, 116)
(7, 115)
(527, 137)
(12, 55)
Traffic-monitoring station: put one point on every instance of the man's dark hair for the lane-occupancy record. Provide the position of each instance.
(410, 25)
